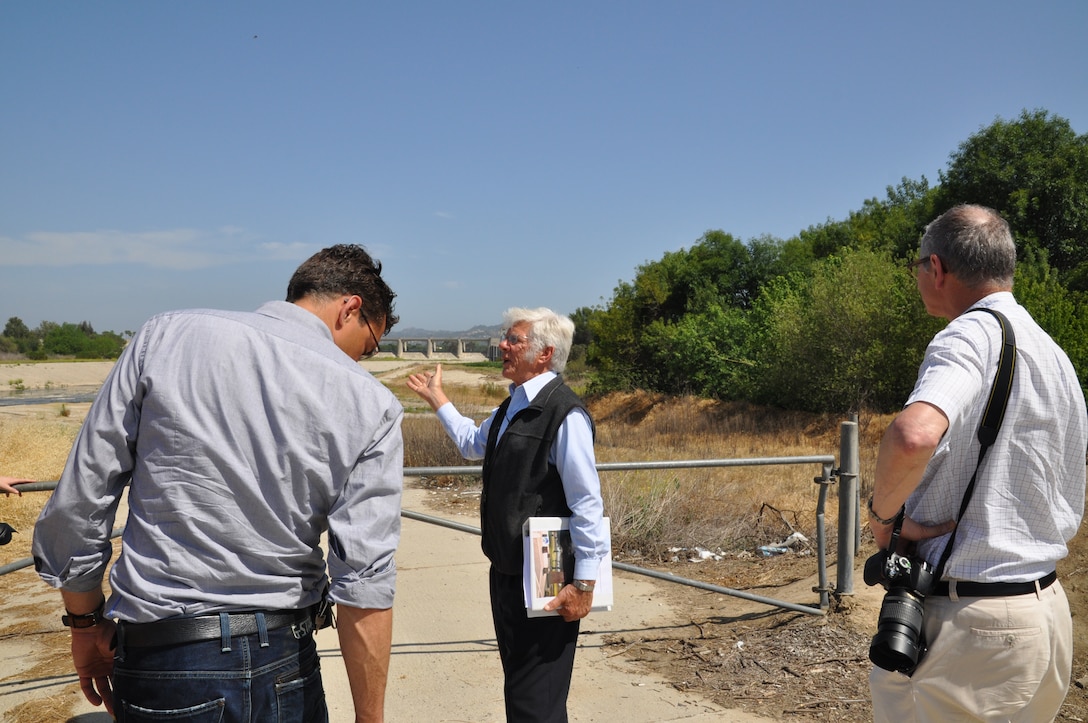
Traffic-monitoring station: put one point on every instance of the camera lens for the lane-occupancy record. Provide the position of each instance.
(898, 641)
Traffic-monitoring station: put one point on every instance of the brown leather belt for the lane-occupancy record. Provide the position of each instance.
(965, 588)
(175, 631)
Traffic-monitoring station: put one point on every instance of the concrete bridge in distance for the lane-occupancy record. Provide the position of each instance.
(439, 348)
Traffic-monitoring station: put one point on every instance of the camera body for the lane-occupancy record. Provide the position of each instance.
(899, 643)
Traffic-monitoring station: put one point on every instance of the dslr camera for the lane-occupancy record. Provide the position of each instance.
(899, 643)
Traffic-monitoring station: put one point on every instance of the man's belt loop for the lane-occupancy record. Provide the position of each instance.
(119, 653)
(224, 632)
(262, 629)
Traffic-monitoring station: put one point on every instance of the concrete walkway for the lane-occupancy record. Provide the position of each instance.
(445, 667)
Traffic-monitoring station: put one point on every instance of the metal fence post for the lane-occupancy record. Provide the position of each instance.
(824, 481)
(848, 507)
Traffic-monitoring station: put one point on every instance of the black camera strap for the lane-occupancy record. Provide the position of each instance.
(991, 417)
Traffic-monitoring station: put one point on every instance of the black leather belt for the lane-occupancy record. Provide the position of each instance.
(175, 631)
(994, 589)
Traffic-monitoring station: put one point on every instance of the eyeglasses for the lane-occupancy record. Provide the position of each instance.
(377, 344)
(511, 338)
(915, 264)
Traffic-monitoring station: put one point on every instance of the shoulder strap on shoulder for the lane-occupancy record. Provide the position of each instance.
(1002, 386)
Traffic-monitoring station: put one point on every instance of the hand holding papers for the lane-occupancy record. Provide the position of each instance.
(549, 565)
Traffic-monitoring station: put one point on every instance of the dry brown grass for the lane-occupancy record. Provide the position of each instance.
(33, 447)
(719, 508)
(426, 444)
(36, 447)
(53, 708)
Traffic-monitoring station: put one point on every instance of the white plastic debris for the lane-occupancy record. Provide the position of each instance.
(796, 539)
(701, 554)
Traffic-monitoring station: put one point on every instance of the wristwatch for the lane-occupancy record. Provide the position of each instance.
(584, 585)
(88, 620)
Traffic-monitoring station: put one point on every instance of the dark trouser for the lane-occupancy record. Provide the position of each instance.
(537, 655)
(265, 676)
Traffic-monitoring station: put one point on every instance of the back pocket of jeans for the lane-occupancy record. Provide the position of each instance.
(300, 697)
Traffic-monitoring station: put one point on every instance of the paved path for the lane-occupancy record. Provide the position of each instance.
(445, 667)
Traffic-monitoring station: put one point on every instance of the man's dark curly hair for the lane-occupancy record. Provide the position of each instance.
(345, 269)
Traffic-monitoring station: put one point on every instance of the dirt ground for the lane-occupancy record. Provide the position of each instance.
(792, 666)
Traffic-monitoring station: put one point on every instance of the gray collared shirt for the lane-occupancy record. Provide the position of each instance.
(241, 438)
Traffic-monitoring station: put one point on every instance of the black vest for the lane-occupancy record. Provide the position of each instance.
(518, 481)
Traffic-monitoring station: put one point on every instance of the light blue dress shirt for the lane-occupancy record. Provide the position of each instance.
(241, 438)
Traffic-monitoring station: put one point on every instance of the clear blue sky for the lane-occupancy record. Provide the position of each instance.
(160, 155)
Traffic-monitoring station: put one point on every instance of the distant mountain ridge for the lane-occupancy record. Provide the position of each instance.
(480, 331)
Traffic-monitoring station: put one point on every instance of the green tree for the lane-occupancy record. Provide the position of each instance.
(704, 353)
(615, 343)
(893, 225)
(17, 337)
(829, 318)
(582, 331)
(65, 340)
(107, 345)
(717, 276)
(1034, 171)
(1060, 312)
(847, 338)
(16, 329)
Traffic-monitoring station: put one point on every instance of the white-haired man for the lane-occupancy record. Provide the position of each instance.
(537, 448)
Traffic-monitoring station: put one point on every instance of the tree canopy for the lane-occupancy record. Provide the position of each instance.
(1034, 170)
(830, 319)
(59, 340)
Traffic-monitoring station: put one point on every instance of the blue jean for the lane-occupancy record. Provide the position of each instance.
(198, 682)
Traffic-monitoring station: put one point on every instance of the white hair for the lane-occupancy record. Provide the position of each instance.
(546, 328)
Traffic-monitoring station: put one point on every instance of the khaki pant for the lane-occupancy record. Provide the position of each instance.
(989, 659)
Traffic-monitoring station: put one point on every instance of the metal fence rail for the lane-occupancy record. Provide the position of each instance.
(848, 513)
(442, 522)
(848, 530)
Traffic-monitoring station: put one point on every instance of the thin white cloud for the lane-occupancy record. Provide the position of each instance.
(183, 249)
(443, 214)
(452, 285)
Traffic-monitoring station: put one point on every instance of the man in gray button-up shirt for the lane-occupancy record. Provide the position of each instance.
(241, 438)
